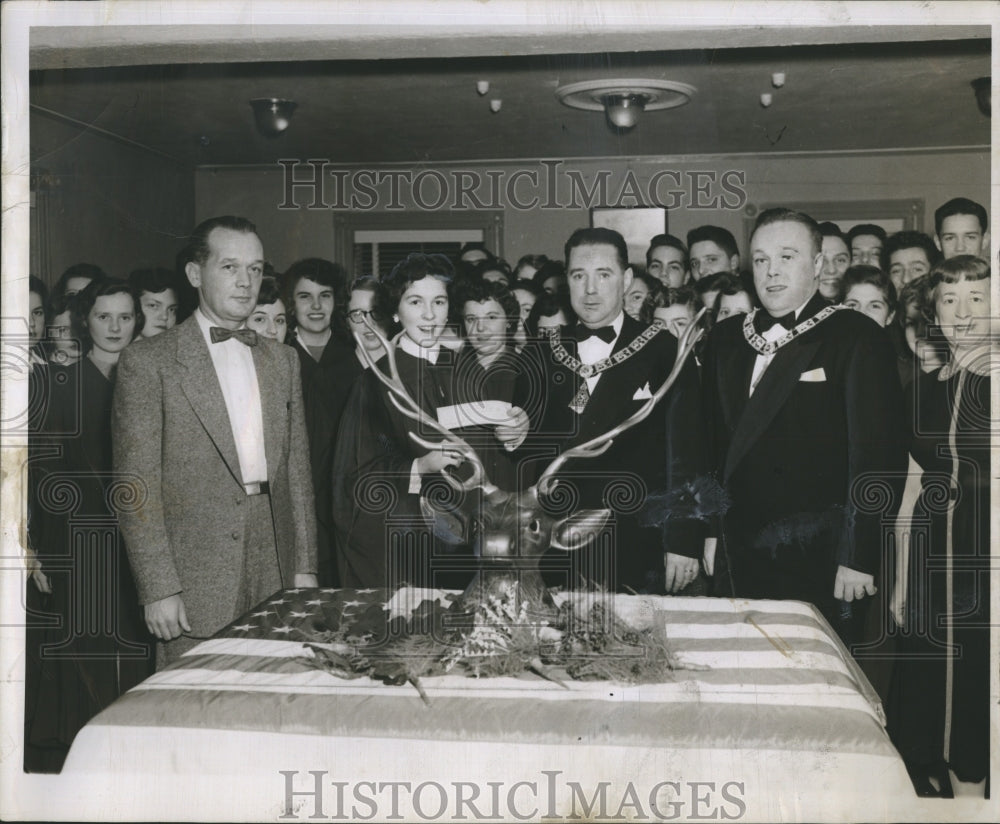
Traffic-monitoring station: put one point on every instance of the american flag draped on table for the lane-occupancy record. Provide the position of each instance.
(754, 675)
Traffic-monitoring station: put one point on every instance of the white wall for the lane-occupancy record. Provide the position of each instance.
(292, 233)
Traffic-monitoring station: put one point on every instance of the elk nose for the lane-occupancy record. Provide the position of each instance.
(497, 545)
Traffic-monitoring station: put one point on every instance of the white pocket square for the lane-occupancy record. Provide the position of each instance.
(813, 376)
(643, 394)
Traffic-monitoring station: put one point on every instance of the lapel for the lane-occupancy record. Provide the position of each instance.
(274, 405)
(201, 387)
(775, 387)
(613, 392)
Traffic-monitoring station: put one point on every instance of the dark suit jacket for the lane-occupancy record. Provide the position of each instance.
(171, 432)
(803, 458)
(650, 462)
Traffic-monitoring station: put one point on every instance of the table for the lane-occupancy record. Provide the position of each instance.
(770, 719)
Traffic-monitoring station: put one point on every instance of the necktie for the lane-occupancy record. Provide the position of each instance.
(605, 333)
(247, 336)
(767, 320)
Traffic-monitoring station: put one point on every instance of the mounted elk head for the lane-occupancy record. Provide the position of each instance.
(510, 531)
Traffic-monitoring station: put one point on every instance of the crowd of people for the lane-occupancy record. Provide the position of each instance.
(206, 436)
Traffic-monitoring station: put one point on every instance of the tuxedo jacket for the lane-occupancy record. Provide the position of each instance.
(815, 457)
(648, 466)
(171, 435)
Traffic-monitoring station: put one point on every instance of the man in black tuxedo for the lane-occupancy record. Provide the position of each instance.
(594, 375)
(805, 414)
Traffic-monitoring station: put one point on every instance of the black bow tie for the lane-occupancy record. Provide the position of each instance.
(605, 333)
(247, 336)
(766, 320)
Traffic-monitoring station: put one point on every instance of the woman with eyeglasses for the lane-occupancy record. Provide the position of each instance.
(100, 647)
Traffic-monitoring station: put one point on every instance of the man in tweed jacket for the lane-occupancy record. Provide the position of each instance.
(208, 424)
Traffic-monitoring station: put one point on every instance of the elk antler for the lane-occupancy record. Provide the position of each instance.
(401, 399)
(601, 444)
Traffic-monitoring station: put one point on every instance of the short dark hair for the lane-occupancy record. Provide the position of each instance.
(197, 250)
(154, 281)
(547, 305)
(865, 229)
(652, 284)
(534, 261)
(673, 296)
(37, 285)
(319, 270)
(960, 206)
(908, 239)
(830, 229)
(782, 215)
(872, 276)
(666, 240)
(82, 302)
(480, 291)
(549, 269)
(598, 236)
(722, 238)
(415, 266)
(77, 270)
(480, 268)
(726, 283)
(709, 283)
(526, 285)
(270, 291)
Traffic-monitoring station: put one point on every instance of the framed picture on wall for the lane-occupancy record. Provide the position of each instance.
(636, 225)
(891, 215)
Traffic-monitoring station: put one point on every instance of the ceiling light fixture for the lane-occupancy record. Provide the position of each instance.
(272, 114)
(623, 101)
(982, 86)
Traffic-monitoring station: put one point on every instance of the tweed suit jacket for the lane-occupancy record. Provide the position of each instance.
(171, 432)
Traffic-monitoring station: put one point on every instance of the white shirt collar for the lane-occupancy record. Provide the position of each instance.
(411, 347)
(206, 324)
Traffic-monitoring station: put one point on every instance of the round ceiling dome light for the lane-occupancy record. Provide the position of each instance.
(623, 101)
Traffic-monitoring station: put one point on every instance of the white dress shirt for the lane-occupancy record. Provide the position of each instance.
(594, 349)
(233, 362)
(774, 333)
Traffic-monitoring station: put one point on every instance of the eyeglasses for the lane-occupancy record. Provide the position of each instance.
(359, 315)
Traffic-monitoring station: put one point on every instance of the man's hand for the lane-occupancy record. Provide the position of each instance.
(166, 618)
(851, 584)
(513, 433)
(305, 580)
(681, 571)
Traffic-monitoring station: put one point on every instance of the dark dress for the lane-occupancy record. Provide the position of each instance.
(932, 723)
(369, 482)
(383, 535)
(95, 646)
(326, 384)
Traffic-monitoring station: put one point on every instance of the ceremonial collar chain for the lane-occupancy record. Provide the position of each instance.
(588, 370)
(766, 347)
